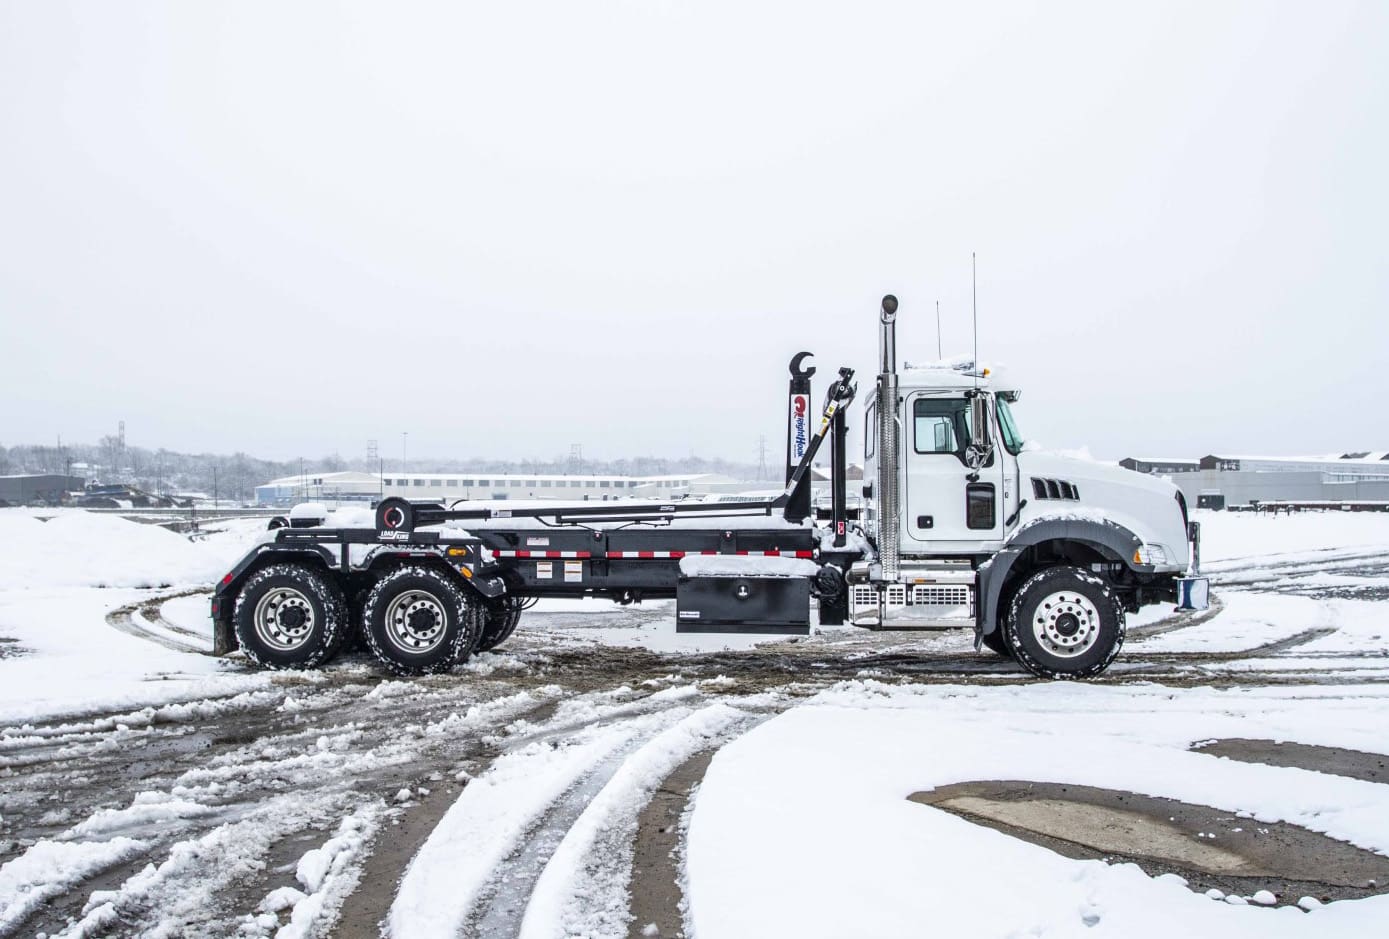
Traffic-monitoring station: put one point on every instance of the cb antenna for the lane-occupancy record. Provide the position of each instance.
(974, 292)
(940, 356)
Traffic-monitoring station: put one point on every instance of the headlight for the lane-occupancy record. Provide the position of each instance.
(1152, 555)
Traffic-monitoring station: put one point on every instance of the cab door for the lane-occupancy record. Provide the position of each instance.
(944, 510)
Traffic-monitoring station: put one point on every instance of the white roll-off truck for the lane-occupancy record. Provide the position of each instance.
(961, 524)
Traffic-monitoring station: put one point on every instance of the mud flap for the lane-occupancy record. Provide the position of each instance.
(223, 633)
(1193, 594)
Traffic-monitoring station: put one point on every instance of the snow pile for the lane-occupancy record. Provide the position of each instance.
(862, 748)
(82, 549)
(349, 516)
(733, 565)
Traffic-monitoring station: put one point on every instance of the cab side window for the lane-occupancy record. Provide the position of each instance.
(941, 425)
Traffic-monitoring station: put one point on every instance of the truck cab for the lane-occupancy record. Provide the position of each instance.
(1045, 553)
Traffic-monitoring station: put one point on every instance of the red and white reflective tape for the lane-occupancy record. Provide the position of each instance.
(642, 555)
(653, 554)
(542, 554)
(776, 554)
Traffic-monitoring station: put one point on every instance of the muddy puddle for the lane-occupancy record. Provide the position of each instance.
(1212, 849)
(1356, 764)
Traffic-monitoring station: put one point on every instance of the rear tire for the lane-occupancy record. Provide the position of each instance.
(290, 616)
(497, 628)
(416, 621)
(1065, 623)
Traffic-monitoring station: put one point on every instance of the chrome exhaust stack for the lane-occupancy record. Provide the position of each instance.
(887, 484)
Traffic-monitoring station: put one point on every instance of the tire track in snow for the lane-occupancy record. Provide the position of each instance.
(474, 872)
(1259, 567)
(129, 619)
(273, 776)
(584, 886)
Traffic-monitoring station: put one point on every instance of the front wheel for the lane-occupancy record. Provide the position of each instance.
(1065, 623)
(416, 621)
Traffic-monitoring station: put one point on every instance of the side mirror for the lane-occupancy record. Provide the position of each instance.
(979, 421)
(980, 446)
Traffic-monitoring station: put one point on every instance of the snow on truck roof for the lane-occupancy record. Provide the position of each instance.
(959, 372)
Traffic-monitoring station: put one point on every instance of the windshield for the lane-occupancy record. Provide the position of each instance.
(1012, 440)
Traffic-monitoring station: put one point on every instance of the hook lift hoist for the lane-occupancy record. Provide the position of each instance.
(961, 525)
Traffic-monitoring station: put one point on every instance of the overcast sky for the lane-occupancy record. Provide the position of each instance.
(288, 228)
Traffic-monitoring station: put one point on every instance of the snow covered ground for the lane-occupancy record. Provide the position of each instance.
(832, 847)
(559, 786)
(58, 581)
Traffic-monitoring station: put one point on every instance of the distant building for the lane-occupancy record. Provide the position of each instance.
(47, 488)
(1367, 464)
(1159, 466)
(320, 487)
(1222, 480)
(450, 487)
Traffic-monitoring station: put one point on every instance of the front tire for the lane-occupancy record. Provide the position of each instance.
(1065, 623)
(416, 621)
(289, 616)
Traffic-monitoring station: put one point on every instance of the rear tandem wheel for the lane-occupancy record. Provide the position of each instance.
(416, 621)
(290, 616)
(498, 627)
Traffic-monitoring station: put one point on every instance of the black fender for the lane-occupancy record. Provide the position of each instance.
(488, 585)
(1110, 539)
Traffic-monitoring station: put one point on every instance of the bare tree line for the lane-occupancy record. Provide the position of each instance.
(235, 476)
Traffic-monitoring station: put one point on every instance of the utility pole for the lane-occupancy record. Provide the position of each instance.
(215, 500)
(762, 457)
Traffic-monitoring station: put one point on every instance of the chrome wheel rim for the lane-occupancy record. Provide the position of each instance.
(415, 622)
(1066, 624)
(284, 619)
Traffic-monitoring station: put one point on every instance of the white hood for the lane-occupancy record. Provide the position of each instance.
(1144, 504)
